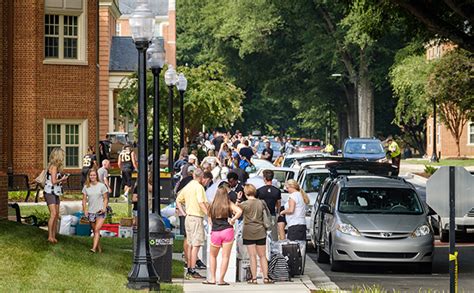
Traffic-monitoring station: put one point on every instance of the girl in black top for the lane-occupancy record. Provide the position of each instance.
(222, 214)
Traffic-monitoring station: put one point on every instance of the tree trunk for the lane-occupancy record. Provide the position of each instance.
(365, 96)
(351, 113)
(458, 146)
(343, 131)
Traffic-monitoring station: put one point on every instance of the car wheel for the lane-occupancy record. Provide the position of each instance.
(443, 235)
(336, 266)
(323, 257)
(425, 268)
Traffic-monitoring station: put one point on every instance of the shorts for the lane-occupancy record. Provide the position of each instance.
(51, 199)
(222, 237)
(260, 242)
(194, 230)
(92, 217)
(281, 219)
(297, 232)
(127, 177)
(84, 175)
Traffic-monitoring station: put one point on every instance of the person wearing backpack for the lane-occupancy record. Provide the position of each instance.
(254, 233)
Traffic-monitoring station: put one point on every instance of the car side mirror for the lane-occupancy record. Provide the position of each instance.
(325, 208)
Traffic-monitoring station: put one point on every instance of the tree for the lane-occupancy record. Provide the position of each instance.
(451, 86)
(211, 99)
(408, 79)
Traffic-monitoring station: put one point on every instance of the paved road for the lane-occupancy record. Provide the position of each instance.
(406, 278)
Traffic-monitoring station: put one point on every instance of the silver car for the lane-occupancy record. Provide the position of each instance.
(374, 219)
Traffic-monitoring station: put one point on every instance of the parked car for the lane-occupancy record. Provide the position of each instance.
(289, 160)
(281, 174)
(309, 145)
(371, 218)
(366, 149)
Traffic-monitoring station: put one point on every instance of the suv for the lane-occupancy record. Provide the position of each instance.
(366, 149)
(370, 218)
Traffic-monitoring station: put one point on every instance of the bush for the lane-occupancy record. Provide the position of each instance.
(430, 169)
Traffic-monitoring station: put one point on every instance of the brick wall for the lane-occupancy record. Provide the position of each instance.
(447, 144)
(45, 91)
(3, 118)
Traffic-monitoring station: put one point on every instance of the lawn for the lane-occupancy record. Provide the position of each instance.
(460, 163)
(29, 263)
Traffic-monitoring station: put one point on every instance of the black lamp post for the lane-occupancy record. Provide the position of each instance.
(143, 274)
(170, 80)
(156, 60)
(181, 85)
(434, 157)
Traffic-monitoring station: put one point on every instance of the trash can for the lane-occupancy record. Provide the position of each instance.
(115, 182)
(161, 247)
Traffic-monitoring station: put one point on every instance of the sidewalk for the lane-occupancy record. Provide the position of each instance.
(301, 284)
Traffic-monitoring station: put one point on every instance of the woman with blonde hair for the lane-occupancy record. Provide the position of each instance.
(95, 194)
(223, 214)
(53, 190)
(295, 210)
(254, 233)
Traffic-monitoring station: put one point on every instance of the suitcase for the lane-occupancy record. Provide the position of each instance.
(292, 251)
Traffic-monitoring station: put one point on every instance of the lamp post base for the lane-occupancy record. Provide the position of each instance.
(140, 279)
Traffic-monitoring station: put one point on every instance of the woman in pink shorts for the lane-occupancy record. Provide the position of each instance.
(222, 214)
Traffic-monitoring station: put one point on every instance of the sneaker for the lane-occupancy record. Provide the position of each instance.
(200, 265)
(194, 276)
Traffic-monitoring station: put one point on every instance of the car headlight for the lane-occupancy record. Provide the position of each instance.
(383, 160)
(421, 231)
(348, 229)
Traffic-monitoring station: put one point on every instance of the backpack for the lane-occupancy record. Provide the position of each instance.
(278, 268)
(41, 179)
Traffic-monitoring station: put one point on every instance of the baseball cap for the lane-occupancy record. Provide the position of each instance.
(191, 169)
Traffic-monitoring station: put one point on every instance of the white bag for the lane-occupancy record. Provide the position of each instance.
(66, 225)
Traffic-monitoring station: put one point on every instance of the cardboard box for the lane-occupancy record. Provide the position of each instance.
(125, 232)
(126, 222)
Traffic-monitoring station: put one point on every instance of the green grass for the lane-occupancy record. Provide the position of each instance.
(29, 263)
(460, 163)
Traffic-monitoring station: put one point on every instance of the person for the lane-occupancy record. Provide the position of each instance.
(94, 194)
(211, 159)
(267, 153)
(53, 190)
(289, 147)
(104, 147)
(394, 153)
(127, 162)
(103, 174)
(192, 159)
(254, 233)
(224, 154)
(236, 193)
(222, 214)
(218, 140)
(272, 197)
(194, 198)
(246, 151)
(295, 210)
(207, 180)
(89, 161)
(329, 148)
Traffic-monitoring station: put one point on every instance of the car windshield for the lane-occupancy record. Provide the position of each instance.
(310, 143)
(313, 181)
(363, 147)
(274, 145)
(379, 200)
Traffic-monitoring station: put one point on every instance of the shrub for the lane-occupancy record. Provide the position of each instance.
(430, 169)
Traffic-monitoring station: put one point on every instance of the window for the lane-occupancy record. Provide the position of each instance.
(430, 138)
(65, 28)
(68, 136)
(438, 133)
(470, 133)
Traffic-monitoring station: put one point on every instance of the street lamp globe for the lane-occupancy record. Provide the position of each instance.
(182, 83)
(170, 76)
(142, 22)
(156, 54)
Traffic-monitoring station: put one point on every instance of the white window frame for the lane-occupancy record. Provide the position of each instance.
(469, 141)
(81, 35)
(430, 134)
(438, 133)
(83, 138)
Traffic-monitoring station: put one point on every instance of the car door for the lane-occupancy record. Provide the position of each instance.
(328, 221)
(319, 216)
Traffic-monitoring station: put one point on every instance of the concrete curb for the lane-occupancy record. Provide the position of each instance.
(319, 279)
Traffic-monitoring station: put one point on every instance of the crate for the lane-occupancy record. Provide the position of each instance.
(112, 228)
(126, 222)
(125, 232)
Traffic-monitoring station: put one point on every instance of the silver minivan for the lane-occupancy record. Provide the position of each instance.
(374, 219)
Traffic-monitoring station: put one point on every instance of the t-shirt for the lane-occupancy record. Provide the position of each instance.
(270, 194)
(234, 191)
(246, 152)
(102, 173)
(298, 215)
(183, 182)
(217, 142)
(95, 196)
(253, 219)
(243, 176)
(88, 161)
(268, 151)
(191, 195)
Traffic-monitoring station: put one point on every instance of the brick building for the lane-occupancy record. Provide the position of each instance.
(445, 143)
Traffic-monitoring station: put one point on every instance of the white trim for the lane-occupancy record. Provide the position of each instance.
(469, 142)
(111, 110)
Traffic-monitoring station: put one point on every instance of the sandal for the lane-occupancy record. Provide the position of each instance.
(209, 283)
(252, 281)
(268, 281)
(223, 284)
